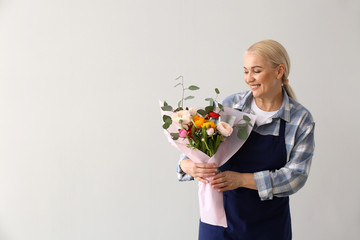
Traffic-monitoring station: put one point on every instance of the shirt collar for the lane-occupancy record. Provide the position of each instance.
(283, 113)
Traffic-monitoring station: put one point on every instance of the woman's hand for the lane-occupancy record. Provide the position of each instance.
(230, 180)
(200, 171)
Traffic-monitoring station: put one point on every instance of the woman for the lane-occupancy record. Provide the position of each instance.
(275, 160)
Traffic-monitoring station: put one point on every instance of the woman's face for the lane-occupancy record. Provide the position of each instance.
(263, 80)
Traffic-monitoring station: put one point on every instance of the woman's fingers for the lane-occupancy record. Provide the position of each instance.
(220, 177)
(204, 170)
(222, 181)
(205, 167)
(202, 180)
(219, 180)
(218, 183)
(198, 170)
(225, 181)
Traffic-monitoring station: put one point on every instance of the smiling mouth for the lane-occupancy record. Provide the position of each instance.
(255, 86)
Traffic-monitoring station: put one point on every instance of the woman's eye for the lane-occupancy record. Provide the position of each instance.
(246, 72)
(257, 71)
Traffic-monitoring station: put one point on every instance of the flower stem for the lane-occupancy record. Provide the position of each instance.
(191, 141)
(183, 91)
(207, 147)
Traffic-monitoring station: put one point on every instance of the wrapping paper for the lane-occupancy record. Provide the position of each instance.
(211, 202)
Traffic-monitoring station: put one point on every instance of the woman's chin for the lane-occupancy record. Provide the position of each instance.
(256, 93)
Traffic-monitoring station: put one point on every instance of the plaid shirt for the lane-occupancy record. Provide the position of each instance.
(299, 140)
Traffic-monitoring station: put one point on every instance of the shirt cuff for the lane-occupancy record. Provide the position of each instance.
(182, 176)
(263, 183)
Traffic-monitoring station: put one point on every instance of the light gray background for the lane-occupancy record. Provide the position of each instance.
(82, 154)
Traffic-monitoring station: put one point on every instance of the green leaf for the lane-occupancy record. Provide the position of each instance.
(178, 109)
(166, 125)
(204, 133)
(175, 136)
(209, 109)
(193, 88)
(167, 108)
(189, 97)
(201, 112)
(211, 101)
(177, 85)
(166, 119)
(217, 91)
(242, 125)
(202, 146)
(242, 133)
(195, 137)
(217, 142)
(221, 107)
(165, 103)
(211, 146)
(193, 129)
(246, 118)
(179, 103)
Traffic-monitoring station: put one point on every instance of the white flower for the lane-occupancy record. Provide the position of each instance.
(181, 115)
(193, 111)
(224, 128)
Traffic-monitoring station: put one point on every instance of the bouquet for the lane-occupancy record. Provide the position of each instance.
(206, 135)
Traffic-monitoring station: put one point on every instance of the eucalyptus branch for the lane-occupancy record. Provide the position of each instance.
(183, 98)
(213, 102)
(183, 90)
(242, 132)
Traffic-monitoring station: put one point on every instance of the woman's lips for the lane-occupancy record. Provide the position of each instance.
(254, 86)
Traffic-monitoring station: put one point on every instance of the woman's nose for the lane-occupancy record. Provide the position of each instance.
(249, 77)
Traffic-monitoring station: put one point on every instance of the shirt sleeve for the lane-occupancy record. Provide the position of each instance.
(290, 178)
(182, 176)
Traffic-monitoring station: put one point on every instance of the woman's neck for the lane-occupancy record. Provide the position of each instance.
(270, 104)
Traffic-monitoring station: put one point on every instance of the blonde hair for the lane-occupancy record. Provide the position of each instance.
(276, 54)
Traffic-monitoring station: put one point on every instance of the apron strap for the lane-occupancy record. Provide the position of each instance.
(282, 128)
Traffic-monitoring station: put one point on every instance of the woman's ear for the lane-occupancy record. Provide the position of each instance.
(280, 71)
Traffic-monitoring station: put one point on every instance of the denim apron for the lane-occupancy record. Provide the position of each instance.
(248, 217)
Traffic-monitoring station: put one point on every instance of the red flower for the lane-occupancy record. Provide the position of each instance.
(189, 132)
(214, 115)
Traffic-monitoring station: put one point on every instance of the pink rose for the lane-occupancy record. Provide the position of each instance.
(210, 131)
(224, 128)
(182, 133)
